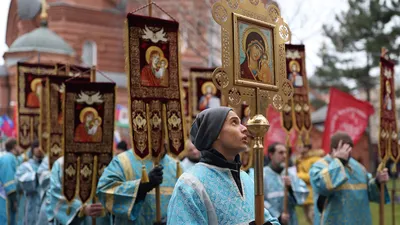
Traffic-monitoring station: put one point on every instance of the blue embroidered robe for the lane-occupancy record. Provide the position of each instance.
(208, 194)
(8, 166)
(274, 193)
(56, 207)
(348, 191)
(26, 177)
(119, 184)
(24, 157)
(44, 184)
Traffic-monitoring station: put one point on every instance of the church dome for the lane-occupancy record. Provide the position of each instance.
(41, 39)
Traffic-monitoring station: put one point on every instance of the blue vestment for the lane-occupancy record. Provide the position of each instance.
(347, 190)
(208, 194)
(8, 188)
(119, 184)
(274, 193)
(57, 205)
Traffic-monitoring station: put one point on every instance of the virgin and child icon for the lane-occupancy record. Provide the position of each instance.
(89, 129)
(155, 72)
(256, 56)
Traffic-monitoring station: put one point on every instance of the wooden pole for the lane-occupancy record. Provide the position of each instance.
(382, 166)
(150, 7)
(286, 191)
(394, 198)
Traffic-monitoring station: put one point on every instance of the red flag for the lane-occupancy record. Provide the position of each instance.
(346, 114)
(276, 133)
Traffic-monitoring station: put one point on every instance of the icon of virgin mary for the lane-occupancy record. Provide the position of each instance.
(255, 66)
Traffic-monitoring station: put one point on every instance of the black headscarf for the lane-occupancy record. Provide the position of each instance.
(207, 126)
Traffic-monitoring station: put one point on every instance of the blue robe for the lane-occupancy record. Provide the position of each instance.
(348, 191)
(26, 177)
(208, 194)
(119, 184)
(57, 205)
(274, 193)
(21, 197)
(8, 186)
(44, 184)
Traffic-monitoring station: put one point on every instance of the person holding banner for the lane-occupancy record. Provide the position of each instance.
(60, 212)
(215, 191)
(27, 181)
(8, 187)
(274, 191)
(131, 201)
(343, 186)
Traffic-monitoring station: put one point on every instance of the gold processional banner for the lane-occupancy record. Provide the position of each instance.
(296, 114)
(156, 107)
(89, 110)
(388, 141)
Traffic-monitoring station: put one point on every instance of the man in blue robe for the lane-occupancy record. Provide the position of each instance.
(60, 212)
(215, 191)
(274, 186)
(26, 177)
(128, 199)
(8, 186)
(343, 187)
(43, 182)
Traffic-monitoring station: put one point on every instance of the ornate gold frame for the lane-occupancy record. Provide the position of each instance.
(258, 95)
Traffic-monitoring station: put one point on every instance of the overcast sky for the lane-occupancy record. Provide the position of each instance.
(305, 18)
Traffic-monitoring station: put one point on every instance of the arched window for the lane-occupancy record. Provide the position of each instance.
(89, 53)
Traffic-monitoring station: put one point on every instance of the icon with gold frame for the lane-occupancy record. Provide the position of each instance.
(253, 54)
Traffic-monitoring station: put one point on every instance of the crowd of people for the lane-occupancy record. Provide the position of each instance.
(332, 188)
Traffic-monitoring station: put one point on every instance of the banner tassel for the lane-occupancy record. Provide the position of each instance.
(145, 177)
(394, 168)
(178, 170)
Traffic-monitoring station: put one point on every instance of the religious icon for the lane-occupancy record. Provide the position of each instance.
(294, 76)
(256, 57)
(246, 114)
(33, 98)
(209, 99)
(89, 129)
(388, 99)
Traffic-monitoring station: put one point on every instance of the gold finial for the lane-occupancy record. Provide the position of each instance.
(43, 14)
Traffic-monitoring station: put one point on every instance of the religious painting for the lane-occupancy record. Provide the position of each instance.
(30, 85)
(55, 93)
(156, 108)
(256, 56)
(245, 114)
(204, 93)
(186, 96)
(298, 112)
(89, 110)
(388, 146)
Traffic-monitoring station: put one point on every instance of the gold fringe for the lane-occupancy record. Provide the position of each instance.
(68, 209)
(145, 177)
(82, 211)
(178, 169)
(394, 168)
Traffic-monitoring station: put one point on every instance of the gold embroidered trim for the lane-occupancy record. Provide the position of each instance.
(327, 178)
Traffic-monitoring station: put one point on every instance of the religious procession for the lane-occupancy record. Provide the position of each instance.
(199, 112)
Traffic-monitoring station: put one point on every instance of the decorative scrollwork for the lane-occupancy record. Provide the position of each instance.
(220, 78)
(233, 3)
(273, 12)
(226, 56)
(254, 2)
(284, 32)
(277, 102)
(287, 88)
(220, 13)
(234, 96)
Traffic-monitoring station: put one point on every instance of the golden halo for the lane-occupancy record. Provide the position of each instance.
(206, 85)
(85, 110)
(297, 66)
(258, 31)
(35, 82)
(165, 60)
(150, 50)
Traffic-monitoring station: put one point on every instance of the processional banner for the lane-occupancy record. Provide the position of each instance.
(388, 141)
(157, 114)
(186, 97)
(296, 113)
(89, 134)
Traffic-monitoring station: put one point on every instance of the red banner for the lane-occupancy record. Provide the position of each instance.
(345, 114)
(276, 132)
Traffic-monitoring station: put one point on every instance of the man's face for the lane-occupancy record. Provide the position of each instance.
(233, 135)
(38, 153)
(279, 156)
(209, 90)
(18, 150)
(38, 89)
(193, 153)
